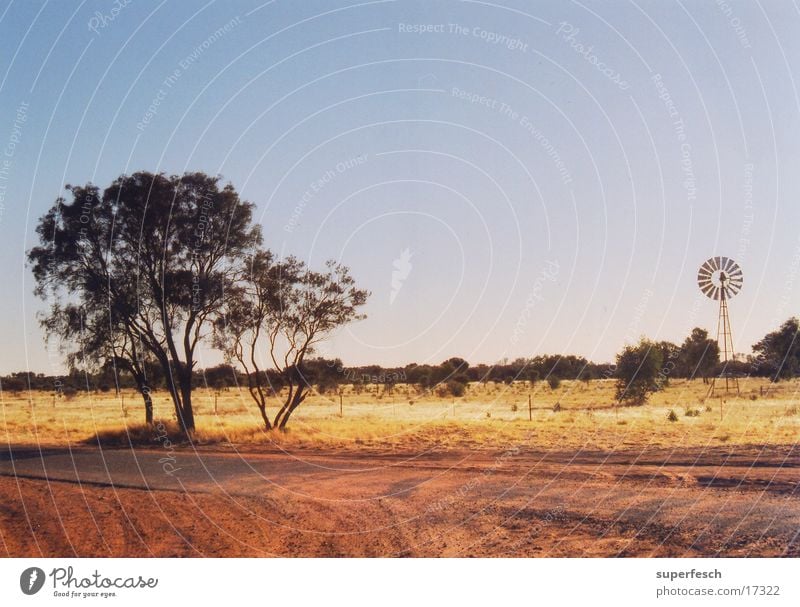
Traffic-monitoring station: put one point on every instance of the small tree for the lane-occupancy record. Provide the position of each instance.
(456, 388)
(779, 352)
(699, 355)
(284, 309)
(638, 370)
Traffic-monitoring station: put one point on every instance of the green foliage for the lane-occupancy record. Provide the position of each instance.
(554, 382)
(456, 388)
(778, 353)
(638, 372)
(699, 355)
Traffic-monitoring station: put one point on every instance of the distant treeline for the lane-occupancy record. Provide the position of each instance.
(326, 375)
(777, 356)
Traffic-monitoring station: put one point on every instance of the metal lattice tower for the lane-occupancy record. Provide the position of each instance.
(720, 278)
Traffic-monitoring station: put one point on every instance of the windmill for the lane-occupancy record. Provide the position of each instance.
(720, 278)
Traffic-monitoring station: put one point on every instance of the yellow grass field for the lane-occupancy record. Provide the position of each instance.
(576, 415)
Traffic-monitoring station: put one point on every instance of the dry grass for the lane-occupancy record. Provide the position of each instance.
(489, 416)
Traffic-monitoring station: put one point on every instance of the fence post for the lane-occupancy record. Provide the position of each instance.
(341, 407)
(530, 409)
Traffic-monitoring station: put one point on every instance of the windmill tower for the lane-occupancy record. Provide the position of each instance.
(720, 278)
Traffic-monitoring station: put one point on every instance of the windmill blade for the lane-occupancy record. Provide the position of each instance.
(728, 264)
(707, 267)
(717, 263)
(716, 291)
(709, 291)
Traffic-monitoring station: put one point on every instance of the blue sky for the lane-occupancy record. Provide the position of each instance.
(507, 178)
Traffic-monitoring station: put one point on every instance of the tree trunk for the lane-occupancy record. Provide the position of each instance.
(144, 390)
(257, 392)
(298, 398)
(148, 405)
(264, 417)
(186, 417)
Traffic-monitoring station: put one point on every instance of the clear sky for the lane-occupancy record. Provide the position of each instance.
(507, 178)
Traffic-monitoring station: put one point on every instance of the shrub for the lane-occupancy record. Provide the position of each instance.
(556, 407)
(672, 416)
(638, 372)
(456, 388)
(554, 382)
(514, 407)
(692, 413)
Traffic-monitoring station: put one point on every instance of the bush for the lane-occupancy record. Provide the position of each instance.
(692, 413)
(456, 388)
(554, 382)
(672, 416)
(638, 371)
(556, 407)
(514, 407)
(327, 386)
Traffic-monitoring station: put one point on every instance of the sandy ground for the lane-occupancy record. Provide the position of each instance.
(742, 501)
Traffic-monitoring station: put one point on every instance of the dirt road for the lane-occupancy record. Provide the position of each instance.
(519, 502)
